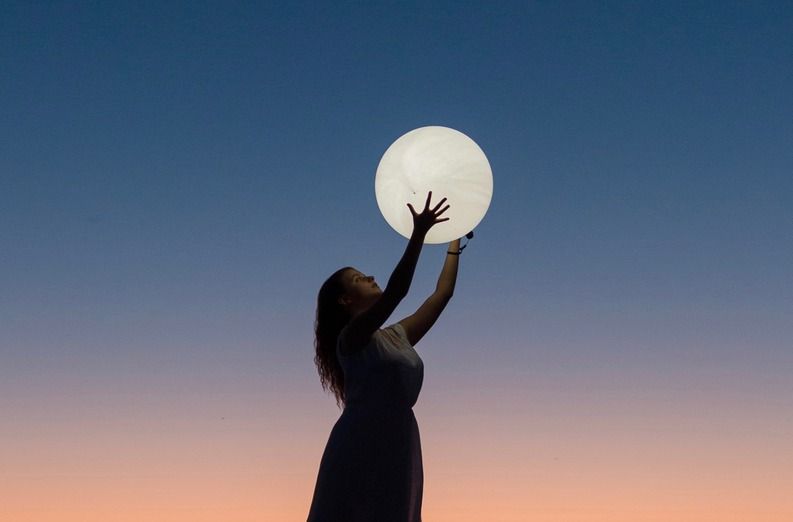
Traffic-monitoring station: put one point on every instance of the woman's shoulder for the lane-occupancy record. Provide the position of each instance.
(396, 335)
(393, 335)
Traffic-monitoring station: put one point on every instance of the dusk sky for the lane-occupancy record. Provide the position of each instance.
(177, 179)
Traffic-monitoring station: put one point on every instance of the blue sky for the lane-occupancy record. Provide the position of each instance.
(177, 179)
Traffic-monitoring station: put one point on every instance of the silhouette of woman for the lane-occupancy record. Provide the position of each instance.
(371, 469)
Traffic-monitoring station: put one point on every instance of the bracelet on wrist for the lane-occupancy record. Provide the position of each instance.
(468, 236)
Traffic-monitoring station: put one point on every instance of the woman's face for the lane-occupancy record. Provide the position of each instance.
(361, 290)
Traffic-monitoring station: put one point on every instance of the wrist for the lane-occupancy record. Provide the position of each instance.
(419, 234)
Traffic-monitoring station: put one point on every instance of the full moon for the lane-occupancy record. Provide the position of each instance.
(444, 161)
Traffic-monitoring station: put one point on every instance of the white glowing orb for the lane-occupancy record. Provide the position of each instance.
(441, 160)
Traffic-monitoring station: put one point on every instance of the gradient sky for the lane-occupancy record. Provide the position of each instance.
(178, 178)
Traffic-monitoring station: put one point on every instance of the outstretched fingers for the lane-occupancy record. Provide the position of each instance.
(427, 204)
(429, 216)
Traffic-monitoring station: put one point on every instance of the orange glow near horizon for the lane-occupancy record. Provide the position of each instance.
(622, 461)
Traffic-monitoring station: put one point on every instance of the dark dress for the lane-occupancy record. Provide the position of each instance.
(371, 469)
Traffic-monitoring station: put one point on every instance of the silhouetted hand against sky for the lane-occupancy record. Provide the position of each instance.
(428, 217)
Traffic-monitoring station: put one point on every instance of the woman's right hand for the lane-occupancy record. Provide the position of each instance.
(428, 217)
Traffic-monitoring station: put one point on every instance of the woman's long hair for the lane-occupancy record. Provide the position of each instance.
(331, 318)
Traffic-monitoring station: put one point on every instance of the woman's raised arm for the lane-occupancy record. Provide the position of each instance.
(419, 323)
(361, 327)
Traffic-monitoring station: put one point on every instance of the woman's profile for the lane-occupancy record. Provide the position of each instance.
(371, 469)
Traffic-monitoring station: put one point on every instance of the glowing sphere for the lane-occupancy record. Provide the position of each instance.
(442, 160)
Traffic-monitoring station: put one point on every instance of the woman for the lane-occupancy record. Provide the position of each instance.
(371, 470)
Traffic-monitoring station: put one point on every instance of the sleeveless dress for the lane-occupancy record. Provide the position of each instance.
(371, 469)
